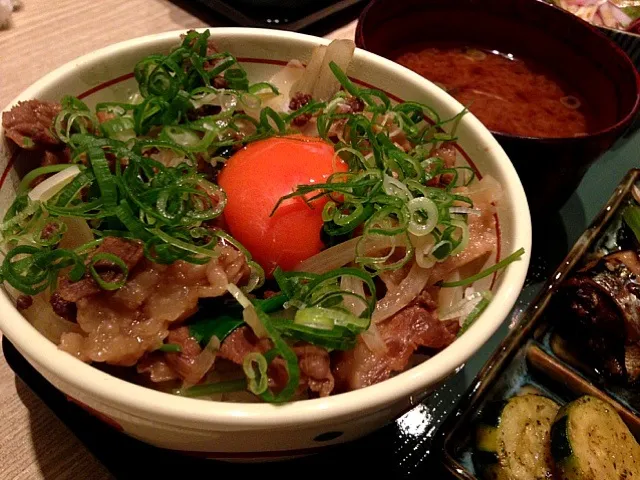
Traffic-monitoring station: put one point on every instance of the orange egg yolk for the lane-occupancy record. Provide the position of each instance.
(256, 177)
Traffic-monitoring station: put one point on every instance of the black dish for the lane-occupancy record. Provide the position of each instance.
(294, 15)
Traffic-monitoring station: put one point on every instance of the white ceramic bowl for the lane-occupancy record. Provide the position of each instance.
(253, 431)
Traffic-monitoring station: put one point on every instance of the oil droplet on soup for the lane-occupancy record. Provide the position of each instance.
(507, 93)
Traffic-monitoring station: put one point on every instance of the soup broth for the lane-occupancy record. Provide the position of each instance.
(508, 94)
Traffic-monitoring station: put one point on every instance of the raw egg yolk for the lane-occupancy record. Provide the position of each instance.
(256, 177)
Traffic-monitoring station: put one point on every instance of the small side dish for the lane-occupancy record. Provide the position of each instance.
(617, 14)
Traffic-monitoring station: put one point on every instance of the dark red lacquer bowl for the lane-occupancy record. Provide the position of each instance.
(550, 168)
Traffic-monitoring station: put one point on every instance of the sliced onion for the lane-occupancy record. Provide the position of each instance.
(326, 85)
(374, 341)
(207, 99)
(464, 240)
(398, 298)
(78, 233)
(287, 77)
(466, 210)
(428, 206)
(228, 101)
(203, 362)
(396, 188)
(283, 80)
(52, 185)
(356, 286)
(488, 190)
(308, 79)
(240, 297)
(462, 308)
(249, 314)
(41, 315)
(448, 297)
(49, 324)
(331, 258)
(423, 247)
(250, 317)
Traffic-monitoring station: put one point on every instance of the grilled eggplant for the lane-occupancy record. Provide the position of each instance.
(598, 310)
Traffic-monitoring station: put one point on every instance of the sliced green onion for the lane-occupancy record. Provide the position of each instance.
(327, 318)
(344, 80)
(424, 216)
(36, 172)
(169, 348)
(184, 245)
(208, 389)
(476, 312)
(119, 128)
(70, 191)
(257, 87)
(314, 318)
(486, 272)
(131, 223)
(117, 262)
(271, 304)
(338, 338)
(291, 361)
(255, 368)
(221, 327)
(268, 115)
(187, 138)
(464, 236)
(396, 188)
(103, 175)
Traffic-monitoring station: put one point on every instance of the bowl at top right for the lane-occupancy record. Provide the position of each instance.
(552, 43)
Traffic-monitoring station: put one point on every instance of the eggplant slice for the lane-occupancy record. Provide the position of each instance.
(599, 312)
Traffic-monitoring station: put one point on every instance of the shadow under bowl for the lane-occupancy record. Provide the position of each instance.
(576, 52)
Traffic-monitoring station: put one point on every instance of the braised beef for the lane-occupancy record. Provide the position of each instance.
(415, 326)
(120, 327)
(29, 124)
(298, 101)
(183, 362)
(128, 251)
(62, 307)
(23, 302)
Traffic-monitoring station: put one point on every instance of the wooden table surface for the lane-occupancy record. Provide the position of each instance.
(45, 34)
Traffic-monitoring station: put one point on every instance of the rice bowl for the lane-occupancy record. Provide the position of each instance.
(152, 416)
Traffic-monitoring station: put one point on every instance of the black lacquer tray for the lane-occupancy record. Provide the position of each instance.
(314, 16)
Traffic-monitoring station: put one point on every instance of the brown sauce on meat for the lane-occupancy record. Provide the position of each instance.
(507, 93)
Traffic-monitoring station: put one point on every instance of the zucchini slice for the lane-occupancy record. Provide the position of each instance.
(485, 455)
(519, 440)
(589, 441)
